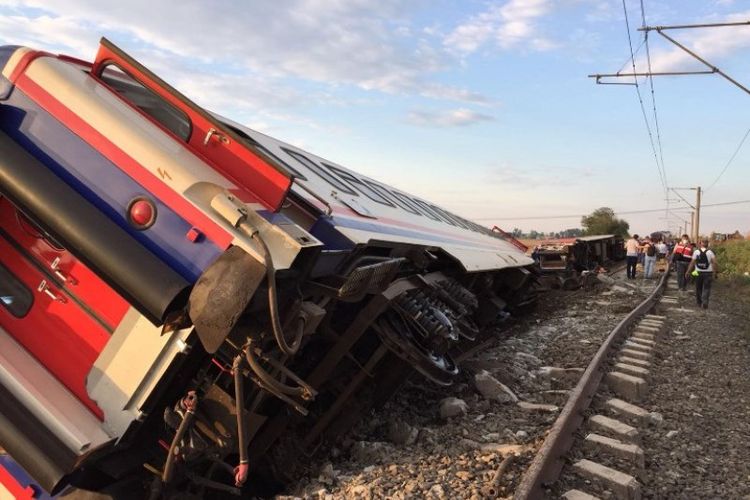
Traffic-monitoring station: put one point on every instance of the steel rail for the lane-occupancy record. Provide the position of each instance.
(549, 461)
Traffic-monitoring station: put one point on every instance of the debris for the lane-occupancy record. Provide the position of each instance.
(401, 433)
(453, 407)
(492, 389)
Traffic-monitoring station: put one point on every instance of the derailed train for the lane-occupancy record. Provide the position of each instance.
(186, 302)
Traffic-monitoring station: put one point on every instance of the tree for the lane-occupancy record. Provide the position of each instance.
(603, 221)
(571, 233)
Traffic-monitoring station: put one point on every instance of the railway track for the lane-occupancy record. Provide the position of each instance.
(467, 455)
(622, 360)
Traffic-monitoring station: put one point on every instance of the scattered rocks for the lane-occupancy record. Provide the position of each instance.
(327, 475)
(656, 418)
(671, 434)
(435, 442)
(453, 407)
(401, 433)
(538, 407)
(368, 452)
(492, 389)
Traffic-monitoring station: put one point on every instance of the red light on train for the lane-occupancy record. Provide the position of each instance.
(141, 213)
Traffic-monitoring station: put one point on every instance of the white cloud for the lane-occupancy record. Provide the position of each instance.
(368, 45)
(709, 43)
(452, 118)
(504, 25)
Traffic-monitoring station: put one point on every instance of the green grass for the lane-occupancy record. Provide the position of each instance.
(734, 265)
(733, 258)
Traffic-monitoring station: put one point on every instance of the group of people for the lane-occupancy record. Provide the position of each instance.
(689, 260)
(646, 252)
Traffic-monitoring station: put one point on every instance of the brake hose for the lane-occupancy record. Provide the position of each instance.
(240, 472)
(273, 305)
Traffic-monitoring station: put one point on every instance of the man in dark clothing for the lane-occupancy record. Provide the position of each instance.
(681, 257)
(704, 262)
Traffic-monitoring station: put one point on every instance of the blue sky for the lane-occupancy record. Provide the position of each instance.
(481, 106)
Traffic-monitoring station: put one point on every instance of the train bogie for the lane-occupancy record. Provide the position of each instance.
(179, 290)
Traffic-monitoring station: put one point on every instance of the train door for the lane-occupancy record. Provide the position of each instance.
(60, 311)
(260, 177)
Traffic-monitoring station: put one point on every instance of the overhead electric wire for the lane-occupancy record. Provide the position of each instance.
(622, 66)
(653, 100)
(624, 212)
(734, 155)
(662, 177)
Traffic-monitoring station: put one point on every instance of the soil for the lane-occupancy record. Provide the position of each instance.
(408, 450)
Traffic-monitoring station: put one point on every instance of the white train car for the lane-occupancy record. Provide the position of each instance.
(160, 264)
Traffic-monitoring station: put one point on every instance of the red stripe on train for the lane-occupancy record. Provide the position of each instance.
(138, 172)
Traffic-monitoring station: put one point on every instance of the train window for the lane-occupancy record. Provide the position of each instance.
(364, 188)
(455, 218)
(14, 296)
(260, 147)
(333, 181)
(398, 198)
(147, 101)
(426, 209)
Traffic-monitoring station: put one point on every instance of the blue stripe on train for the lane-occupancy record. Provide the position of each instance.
(21, 477)
(103, 184)
(6, 51)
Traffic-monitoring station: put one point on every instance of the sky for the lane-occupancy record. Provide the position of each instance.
(484, 107)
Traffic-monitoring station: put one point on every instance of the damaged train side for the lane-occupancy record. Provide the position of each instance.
(186, 303)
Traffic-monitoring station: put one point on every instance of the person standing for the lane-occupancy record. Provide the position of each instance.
(681, 261)
(631, 255)
(661, 250)
(703, 261)
(649, 259)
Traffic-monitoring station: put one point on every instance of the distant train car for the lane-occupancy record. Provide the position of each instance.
(184, 300)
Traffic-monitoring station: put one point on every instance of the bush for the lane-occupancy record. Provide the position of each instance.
(733, 258)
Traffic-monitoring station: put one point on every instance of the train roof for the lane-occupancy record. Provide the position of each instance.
(368, 211)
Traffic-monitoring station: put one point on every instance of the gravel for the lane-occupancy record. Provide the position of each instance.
(697, 437)
(432, 442)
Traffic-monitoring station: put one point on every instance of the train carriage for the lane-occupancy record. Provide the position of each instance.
(180, 294)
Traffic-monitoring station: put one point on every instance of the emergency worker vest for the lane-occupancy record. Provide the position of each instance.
(684, 252)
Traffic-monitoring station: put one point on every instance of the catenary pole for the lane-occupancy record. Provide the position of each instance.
(697, 213)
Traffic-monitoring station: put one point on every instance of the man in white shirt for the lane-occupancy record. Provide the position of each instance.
(631, 254)
(704, 262)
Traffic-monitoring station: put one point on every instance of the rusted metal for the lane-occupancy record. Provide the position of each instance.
(336, 407)
(492, 490)
(549, 461)
(377, 304)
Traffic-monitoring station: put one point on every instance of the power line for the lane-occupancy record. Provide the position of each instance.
(623, 212)
(640, 100)
(653, 98)
(622, 66)
(739, 146)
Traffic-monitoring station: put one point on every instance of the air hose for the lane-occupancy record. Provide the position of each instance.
(273, 304)
(240, 472)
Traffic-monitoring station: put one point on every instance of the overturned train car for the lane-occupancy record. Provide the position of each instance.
(186, 303)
